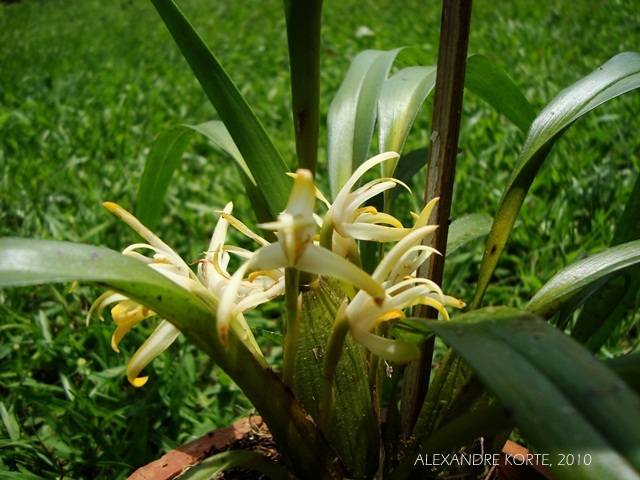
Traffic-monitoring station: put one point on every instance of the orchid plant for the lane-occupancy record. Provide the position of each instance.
(360, 313)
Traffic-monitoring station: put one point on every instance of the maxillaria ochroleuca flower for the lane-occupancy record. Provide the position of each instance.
(402, 291)
(347, 221)
(128, 313)
(212, 274)
(295, 247)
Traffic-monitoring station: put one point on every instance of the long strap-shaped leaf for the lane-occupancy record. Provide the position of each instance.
(400, 100)
(605, 310)
(576, 277)
(619, 75)
(164, 159)
(303, 36)
(490, 83)
(352, 114)
(563, 400)
(32, 262)
(262, 157)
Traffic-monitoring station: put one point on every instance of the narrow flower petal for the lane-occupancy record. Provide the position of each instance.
(220, 232)
(228, 302)
(395, 255)
(102, 302)
(376, 233)
(321, 261)
(158, 342)
(134, 223)
(242, 228)
(392, 350)
(360, 171)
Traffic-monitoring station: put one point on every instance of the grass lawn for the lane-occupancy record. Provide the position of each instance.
(86, 86)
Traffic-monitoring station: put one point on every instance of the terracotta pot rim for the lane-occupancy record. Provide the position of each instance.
(176, 462)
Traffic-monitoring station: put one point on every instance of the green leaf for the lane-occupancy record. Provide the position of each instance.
(491, 84)
(627, 367)
(164, 158)
(219, 135)
(352, 114)
(33, 262)
(400, 100)
(579, 275)
(247, 459)
(408, 165)
(465, 229)
(560, 397)
(265, 162)
(354, 429)
(619, 75)
(303, 37)
(604, 312)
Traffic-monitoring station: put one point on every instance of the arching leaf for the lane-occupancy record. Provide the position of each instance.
(619, 75)
(265, 162)
(560, 397)
(353, 111)
(579, 275)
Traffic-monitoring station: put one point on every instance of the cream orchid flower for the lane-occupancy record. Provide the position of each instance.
(128, 313)
(295, 248)
(259, 288)
(346, 221)
(402, 291)
(211, 274)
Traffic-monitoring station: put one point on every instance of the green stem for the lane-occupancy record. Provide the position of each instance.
(303, 35)
(292, 335)
(445, 130)
(332, 354)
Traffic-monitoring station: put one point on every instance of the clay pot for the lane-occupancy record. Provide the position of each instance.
(172, 464)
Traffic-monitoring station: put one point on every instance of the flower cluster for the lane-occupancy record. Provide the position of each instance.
(377, 298)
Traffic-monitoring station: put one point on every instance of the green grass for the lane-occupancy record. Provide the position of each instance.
(86, 86)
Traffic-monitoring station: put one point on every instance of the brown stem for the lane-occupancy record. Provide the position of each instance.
(445, 129)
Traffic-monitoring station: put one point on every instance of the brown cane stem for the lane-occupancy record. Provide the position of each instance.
(445, 129)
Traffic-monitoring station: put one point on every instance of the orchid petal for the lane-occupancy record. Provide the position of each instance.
(242, 228)
(423, 218)
(392, 350)
(370, 215)
(397, 252)
(134, 223)
(376, 233)
(360, 171)
(228, 302)
(321, 261)
(158, 342)
(220, 232)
